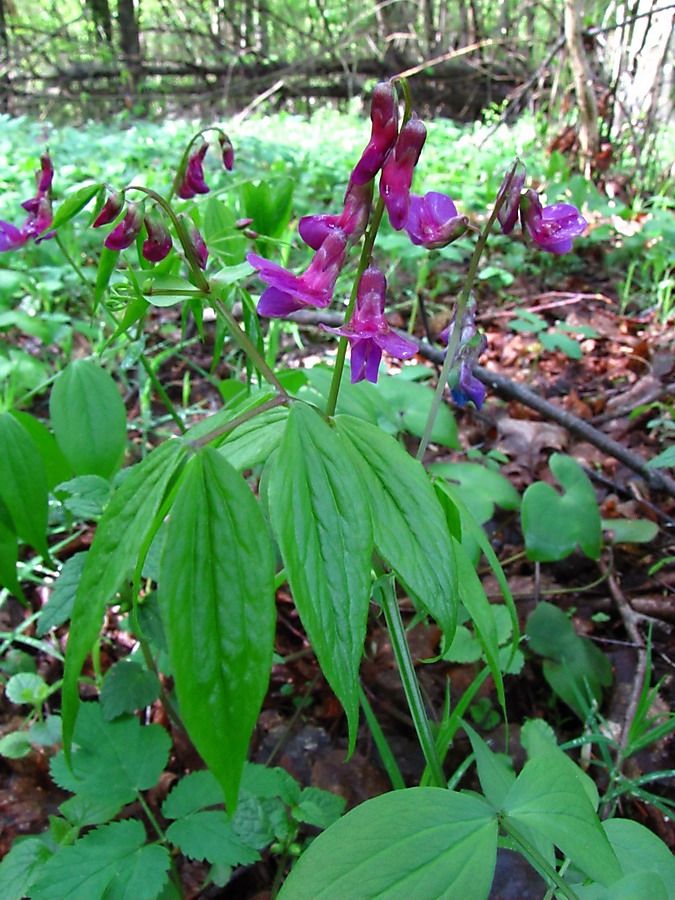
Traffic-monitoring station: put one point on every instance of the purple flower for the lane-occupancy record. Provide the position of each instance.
(512, 186)
(124, 234)
(39, 220)
(110, 210)
(193, 178)
(198, 243)
(288, 293)
(158, 244)
(397, 171)
(433, 220)
(468, 387)
(352, 221)
(11, 237)
(368, 332)
(227, 151)
(551, 227)
(384, 118)
(45, 176)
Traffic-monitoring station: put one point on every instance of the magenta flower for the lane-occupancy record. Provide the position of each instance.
(110, 210)
(12, 237)
(433, 220)
(227, 151)
(384, 118)
(397, 171)
(39, 209)
(193, 178)
(368, 332)
(512, 185)
(45, 176)
(288, 292)
(198, 243)
(471, 345)
(124, 234)
(158, 244)
(551, 227)
(352, 221)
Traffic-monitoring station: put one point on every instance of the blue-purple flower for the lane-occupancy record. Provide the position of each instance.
(368, 332)
(471, 344)
(287, 292)
(433, 220)
(551, 227)
(397, 171)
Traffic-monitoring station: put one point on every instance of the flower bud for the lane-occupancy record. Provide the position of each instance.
(124, 234)
(397, 172)
(193, 177)
(158, 244)
(511, 188)
(111, 209)
(227, 151)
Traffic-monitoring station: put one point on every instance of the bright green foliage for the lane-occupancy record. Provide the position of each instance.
(27, 688)
(128, 686)
(89, 418)
(268, 203)
(480, 488)
(410, 530)
(425, 843)
(84, 497)
(115, 759)
(574, 667)
(58, 608)
(317, 807)
(318, 508)
(210, 835)
(18, 868)
(217, 603)
(56, 465)
(121, 539)
(639, 850)
(23, 484)
(111, 861)
(554, 524)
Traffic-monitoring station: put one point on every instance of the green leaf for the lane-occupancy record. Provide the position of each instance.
(216, 593)
(109, 863)
(72, 205)
(89, 418)
(106, 266)
(55, 463)
(426, 843)
(121, 535)
(576, 669)
(554, 524)
(480, 488)
(630, 531)
(15, 745)
(59, 606)
(549, 798)
(194, 791)
(360, 400)
(220, 234)
(495, 771)
(318, 807)
(409, 524)
(638, 849)
(21, 866)
(112, 759)
(27, 688)
(128, 686)
(269, 204)
(262, 781)
(168, 290)
(82, 810)
(407, 405)
(318, 512)
(643, 885)
(84, 497)
(209, 835)
(23, 483)
(555, 341)
(254, 441)
(663, 460)
(9, 553)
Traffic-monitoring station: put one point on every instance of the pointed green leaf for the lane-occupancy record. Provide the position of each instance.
(72, 205)
(409, 524)
(209, 835)
(106, 266)
(421, 843)
(109, 863)
(23, 483)
(197, 790)
(89, 418)
(9, 553)
(320, 518)
(59, 606)
(553, 523)
(216, 593)
(495, 771)
(118, 547)
(548, 797)
(56, 465)
(638, 849)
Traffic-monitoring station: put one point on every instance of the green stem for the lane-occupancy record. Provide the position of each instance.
(386, 597)
(164, 698)
(364, 262)
(383, 748)
(247, 345)
(455, 335)
(531, 852)
(279, 400)
(159, 387)
(162, 838)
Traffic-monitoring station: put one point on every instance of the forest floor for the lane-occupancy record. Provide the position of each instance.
(623, 385)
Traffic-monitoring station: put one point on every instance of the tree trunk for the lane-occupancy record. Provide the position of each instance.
(583, 85)
(130, 44)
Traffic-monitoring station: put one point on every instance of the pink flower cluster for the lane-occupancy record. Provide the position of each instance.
(39, 209)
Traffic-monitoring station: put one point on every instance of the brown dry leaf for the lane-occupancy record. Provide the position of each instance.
(524, 440)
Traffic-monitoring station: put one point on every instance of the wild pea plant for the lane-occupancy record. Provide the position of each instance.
(343, 514)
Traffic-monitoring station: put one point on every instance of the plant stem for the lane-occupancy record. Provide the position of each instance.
(455, 335)
(383, 748)
(162, 838)
(531, 852)
(386, 596)
(247, 345)
(159, 387)
(279, 400)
